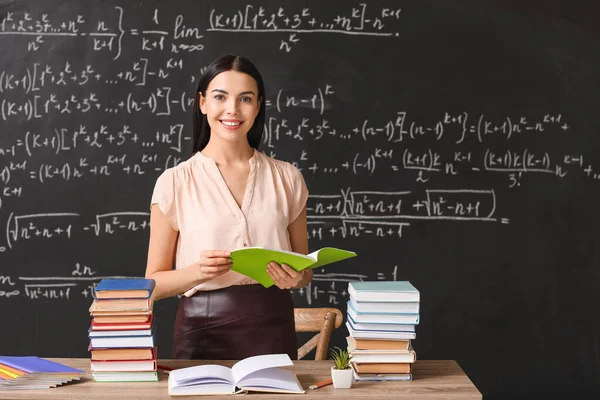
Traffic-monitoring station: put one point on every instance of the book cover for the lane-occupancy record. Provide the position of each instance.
(373, 344)
(124, 288)
(122, 354)
(258, 373)
(384, 376)
(253, 261)
(121, 305)
(122, 341)
(119, 333)
(381, 326)
(121, 318)
(387, 358)
(118, 326)
(388, 335)
(385, 307)
(123, 365)
(141, 376)
(7, 372)
(126, 314)
(383, 291)
(382, 368)
(373, 318)
(32, 364)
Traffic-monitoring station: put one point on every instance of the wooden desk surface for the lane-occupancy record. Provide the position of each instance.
(431, 380)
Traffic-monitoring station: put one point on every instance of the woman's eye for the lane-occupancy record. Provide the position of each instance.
(246, 99)
(219, 97)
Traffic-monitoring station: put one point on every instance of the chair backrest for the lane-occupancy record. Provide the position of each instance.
(321, 320)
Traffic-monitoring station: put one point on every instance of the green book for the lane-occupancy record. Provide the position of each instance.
(252, 261)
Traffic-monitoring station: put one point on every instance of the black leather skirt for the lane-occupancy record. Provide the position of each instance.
(234, 323)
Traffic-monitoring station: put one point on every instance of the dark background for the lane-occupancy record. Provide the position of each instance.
(509, 290)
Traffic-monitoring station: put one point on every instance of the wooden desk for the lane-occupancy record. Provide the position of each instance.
(431, 380)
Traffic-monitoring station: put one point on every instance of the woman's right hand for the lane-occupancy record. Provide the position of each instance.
(213, 263)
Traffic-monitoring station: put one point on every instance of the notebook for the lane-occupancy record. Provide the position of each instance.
(253, 261)
(30, 372)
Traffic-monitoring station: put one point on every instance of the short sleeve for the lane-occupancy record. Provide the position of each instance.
(299, 193)
(164, 196)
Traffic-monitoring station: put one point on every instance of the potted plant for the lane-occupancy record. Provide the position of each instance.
(341, 373)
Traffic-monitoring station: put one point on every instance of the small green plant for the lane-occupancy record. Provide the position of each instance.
(340, 358)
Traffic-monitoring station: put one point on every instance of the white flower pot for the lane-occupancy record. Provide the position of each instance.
(342, 378)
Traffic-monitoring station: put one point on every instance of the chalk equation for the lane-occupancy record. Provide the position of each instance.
(182, 35)
(79, 283)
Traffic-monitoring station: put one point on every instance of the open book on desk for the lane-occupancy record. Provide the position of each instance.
(252, 374)
(252, 261)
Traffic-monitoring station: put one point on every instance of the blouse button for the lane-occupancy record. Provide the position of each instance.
(245, 244)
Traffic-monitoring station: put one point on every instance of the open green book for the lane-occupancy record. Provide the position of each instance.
(252, 261)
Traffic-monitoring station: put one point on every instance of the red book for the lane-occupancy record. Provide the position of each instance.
(124, 354)
(122, 326)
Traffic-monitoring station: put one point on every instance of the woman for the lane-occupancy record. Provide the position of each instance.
(228, 195)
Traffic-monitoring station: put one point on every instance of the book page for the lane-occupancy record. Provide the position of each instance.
(201, 374)
(202, 389)
(245, 367)
(328, 255)
(271, 379)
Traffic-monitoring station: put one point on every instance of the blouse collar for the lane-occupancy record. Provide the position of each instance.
(204, 159)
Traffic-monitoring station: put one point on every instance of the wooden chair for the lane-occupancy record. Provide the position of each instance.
(321, 320)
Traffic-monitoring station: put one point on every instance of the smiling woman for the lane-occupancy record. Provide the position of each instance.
(229, 110)
(205, 207)
(229, 86)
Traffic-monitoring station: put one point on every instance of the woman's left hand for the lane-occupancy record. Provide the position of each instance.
(284, 276)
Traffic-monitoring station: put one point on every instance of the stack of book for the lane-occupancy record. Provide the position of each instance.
(381, 321)
(122, 342)
(32, 372)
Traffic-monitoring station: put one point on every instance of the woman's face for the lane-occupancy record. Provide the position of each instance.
(231, 105)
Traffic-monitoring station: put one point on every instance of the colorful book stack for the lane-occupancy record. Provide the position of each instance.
(381, 321)
(32, 372)
(122, 342)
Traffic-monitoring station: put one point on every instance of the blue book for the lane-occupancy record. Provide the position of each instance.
(384, 291)
(122, 342)
(391, 318)
(388, 307)
(36, 365)
(129, 288)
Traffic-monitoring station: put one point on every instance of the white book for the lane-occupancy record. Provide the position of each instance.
(381, 327)
(380, 377)
(372, 318)
(384, 358)
(258, 373)
(123, 366)
(383, 291)
(385, 307)
(149, 376)
(122, 342)
(383, 335)
(133, 332)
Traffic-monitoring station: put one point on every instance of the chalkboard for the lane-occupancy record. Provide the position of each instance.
(453, 144)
